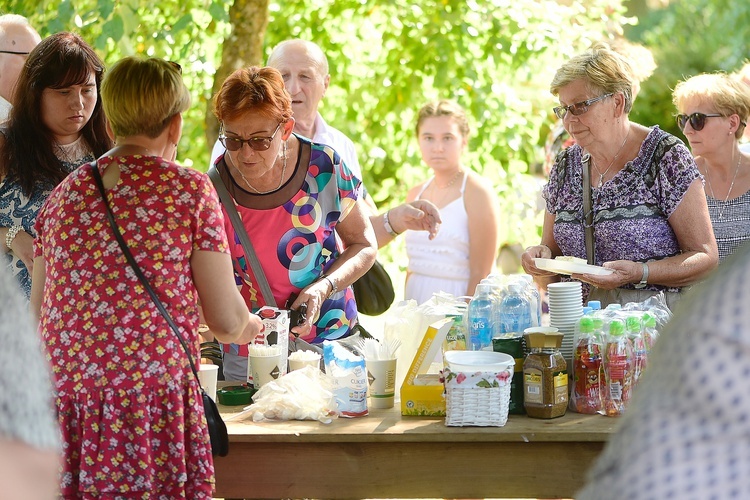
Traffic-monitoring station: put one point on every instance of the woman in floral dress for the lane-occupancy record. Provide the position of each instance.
(56, 125)
(129, 407)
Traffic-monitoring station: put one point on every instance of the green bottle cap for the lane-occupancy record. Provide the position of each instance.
(633, 324)
(616, 327)
(586, 325)
(649, 320)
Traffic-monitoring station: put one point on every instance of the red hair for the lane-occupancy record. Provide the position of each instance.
(253, 90)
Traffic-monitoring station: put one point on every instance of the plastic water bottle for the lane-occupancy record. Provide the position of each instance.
(480, 313)
(515, 311)
(633, 327)
(535, 300)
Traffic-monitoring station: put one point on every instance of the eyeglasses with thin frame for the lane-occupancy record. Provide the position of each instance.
(578, 108)
(14, 52)
(255, 143)
(697, 120)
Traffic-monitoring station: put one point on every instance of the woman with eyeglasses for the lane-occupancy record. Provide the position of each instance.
(56, 124)
(713, 113)
(648, 222)
(129, 406)
(296, 199)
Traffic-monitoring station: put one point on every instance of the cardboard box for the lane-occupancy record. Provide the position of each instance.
(275, 331)
(422, 393)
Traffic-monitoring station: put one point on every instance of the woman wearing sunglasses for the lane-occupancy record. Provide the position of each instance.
(713, 113)
(648, 220)
(295, 199)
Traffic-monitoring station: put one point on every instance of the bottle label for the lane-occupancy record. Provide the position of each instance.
(532, 382)
(560, 381)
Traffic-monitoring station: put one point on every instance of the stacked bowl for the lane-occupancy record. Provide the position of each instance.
(565, 308)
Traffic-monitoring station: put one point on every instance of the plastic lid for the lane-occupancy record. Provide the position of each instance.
(586, 325)
(595, 304)
(649, 320)
(616, 327)
(587, 310)
(633, 324)
(234, 395)
(483, 288)
(614, 306)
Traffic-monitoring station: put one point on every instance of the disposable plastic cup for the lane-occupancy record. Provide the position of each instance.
(381, 375)
(208, 374)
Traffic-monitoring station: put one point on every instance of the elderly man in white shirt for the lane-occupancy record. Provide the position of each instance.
(304, 67)
(17, 39)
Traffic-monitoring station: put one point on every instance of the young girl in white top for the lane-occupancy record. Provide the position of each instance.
(464, 250)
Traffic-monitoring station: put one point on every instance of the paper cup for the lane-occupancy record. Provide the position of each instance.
(296, 364)
(208, 375)
(381, 375)
(264, 368)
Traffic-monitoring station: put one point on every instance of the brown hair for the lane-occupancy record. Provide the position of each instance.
(253, 90)
(444, 108)
(59, 61)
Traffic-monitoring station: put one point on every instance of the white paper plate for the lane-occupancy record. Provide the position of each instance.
(568, 267)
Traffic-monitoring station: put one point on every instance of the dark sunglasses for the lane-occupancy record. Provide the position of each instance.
(255, 143)
(14, 52)
(578, 108)
(697, 120)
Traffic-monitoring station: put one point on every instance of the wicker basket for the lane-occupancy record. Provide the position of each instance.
(477, 398)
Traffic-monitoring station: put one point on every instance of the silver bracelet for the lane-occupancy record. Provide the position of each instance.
(11, 235)
(644, 277)
(387, 224)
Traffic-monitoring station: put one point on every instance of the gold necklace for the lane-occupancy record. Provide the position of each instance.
(453, 180)
(708, 178)
(281, 181)
(601, 175)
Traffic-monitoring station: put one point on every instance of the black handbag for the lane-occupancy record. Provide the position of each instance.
(374, 291)
(216, 428)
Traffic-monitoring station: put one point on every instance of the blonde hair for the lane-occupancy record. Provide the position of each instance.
(604, 69)
(444, 108)
(728, 95)
(140, 96)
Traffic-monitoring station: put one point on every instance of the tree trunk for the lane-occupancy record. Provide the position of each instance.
(243, 47)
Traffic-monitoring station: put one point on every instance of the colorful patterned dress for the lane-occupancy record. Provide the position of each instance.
(18, 209)
(295, 239)
(129, 407)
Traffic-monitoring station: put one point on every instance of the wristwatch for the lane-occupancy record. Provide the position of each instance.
(332, 282)
(644, 278)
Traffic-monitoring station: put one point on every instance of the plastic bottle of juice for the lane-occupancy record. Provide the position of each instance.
(633, 326)
(618, 373)
(650, 333)
(587, 369)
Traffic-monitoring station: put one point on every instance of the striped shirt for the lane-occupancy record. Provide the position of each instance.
(731, 222)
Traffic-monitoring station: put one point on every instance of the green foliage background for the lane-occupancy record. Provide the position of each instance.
(495, 57)
(387, 58)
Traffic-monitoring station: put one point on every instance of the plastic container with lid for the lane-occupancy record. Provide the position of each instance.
(545, 376)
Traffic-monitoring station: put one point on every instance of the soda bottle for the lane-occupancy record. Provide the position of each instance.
(617, 369)
(587, 369)
(481, 308)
